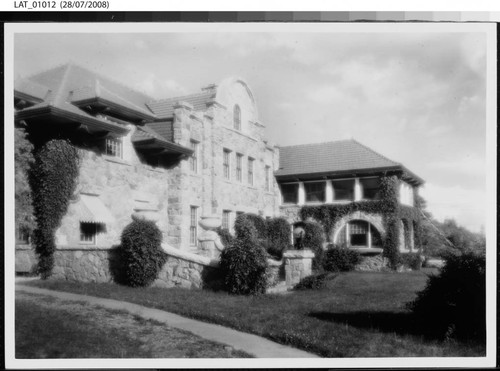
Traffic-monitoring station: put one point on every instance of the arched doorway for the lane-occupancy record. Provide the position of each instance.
(358, 233)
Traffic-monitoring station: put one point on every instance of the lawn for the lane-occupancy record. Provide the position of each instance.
(51, 328)
(357, 314)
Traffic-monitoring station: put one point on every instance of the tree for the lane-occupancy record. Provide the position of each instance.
(23, 159)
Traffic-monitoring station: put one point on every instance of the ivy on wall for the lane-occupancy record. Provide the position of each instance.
(388, 206)
(52, 178)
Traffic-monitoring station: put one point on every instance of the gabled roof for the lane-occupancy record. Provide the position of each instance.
(165, 108)
(30, 90)
(334, 158)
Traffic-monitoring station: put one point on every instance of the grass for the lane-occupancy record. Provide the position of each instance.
(357, 314)
(50, 328)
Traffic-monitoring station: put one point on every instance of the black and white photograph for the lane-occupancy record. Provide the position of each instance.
(314, 193)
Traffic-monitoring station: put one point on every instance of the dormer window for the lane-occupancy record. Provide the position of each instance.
(114, 147)
(237, 117)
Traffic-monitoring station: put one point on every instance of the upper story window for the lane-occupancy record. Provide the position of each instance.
(226, 163)
(193, 160)
(315, 192)
(406, 194)
(88, 233)
(268, 178)
(290, 193)
(114, 147)
(370, 188)
(193, 225)
(237, 117)
(343, 190)
(250, 170)
(239, 167)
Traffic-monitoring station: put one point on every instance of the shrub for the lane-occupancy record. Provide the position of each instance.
(340, 259)
(412, 261)
(454, 302)
(141, 253)
(258, 222)
(314, 239)
(52, 179)
(244, 263)
(225, 237)
(313, 282)
(278, 236)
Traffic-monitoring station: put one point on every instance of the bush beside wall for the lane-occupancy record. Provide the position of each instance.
(340, 259)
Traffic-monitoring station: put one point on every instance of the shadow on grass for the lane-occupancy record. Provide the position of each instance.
(403, 323)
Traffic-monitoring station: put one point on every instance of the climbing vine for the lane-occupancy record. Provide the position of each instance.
(388, 206)
(52, 178)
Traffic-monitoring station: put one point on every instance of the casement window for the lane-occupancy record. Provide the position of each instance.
(237, 117)
(226, 219)
(358, 233)
(193, 226)
(88, 233)
(239, 167)
(370, 188)
(226, 163)
(193, 160)
(250, 170)
(268, 178)
(290, 193)
(114, 147)
(343, 190)
(315, 191)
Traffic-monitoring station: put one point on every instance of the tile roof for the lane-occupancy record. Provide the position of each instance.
(165, 108)
(31, 89)
(70, 82)
(162, 128)
(332, 157)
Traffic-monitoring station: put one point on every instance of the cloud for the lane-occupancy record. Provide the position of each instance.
(466, 164)
(466, 206)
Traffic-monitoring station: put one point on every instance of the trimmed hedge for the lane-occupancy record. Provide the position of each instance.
(244, 262)
(314, 282)
(225, 236)
(278, 236)
(340, 259)
(52, 179)
(258, 222)
(141, 253)
(412, 261)
(453, 303)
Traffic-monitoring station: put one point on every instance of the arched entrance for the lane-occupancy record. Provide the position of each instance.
(358, 233)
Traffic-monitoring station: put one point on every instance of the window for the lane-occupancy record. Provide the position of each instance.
(88, 232)
(268, 178)
(226, 219)
(343, 190)
(358, 231)
(193, 160)
(193, 226)
(315, 192)
(114, 147)
(237, 117)
(239, 167)
(371, 188)
(290, 193)
(225, 163)
(250, 170)
(22, 235)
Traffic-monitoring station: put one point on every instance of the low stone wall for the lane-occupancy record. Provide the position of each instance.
(26, 260)
(373, 263)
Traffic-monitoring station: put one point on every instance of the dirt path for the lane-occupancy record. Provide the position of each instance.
(48, 327)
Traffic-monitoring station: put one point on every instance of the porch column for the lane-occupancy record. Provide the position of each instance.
(302, 194)
(369, 235)
(357, 190)
(329, 192)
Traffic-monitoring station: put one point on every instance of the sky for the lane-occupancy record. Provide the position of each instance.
(418, 98)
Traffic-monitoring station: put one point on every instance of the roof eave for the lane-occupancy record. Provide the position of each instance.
(61, 113)
(98, 100)
(336, 174)
(171, 147)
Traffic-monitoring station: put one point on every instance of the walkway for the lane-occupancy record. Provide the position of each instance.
(255, 345)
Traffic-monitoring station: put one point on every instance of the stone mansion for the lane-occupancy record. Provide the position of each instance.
(177, 159)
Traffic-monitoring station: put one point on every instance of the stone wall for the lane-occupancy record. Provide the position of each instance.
(102, 265)
(372, 263)
(119, 185)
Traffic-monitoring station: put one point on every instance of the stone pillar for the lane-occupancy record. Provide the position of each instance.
(302, 194)
(298, 265)
(329, 192)
(358, 193)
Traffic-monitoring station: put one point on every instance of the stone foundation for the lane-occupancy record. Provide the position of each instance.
(298, 265)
